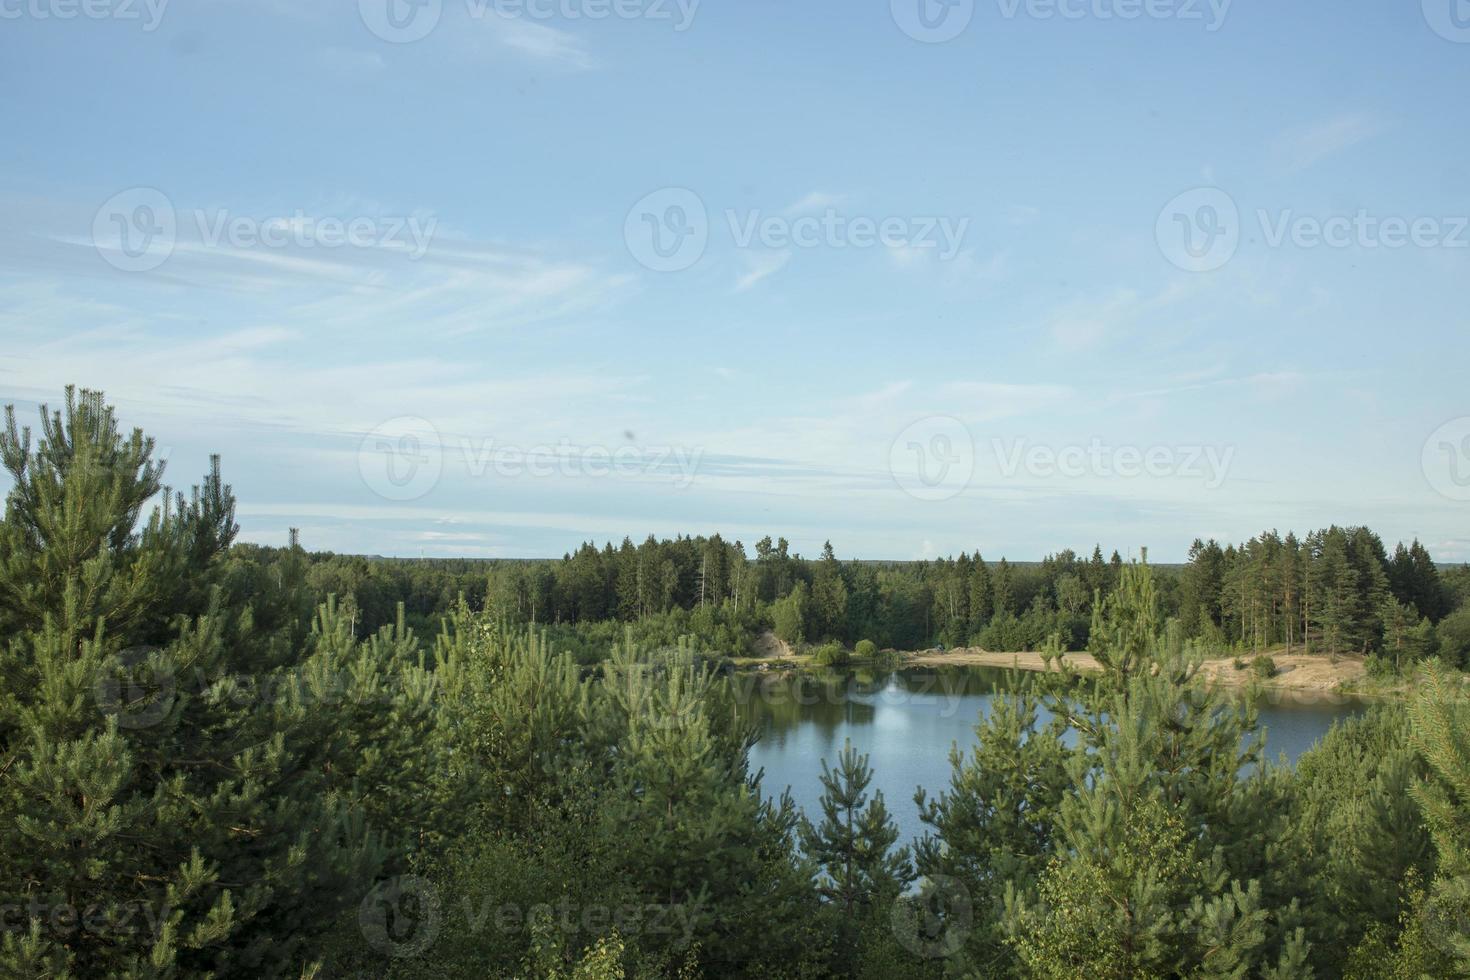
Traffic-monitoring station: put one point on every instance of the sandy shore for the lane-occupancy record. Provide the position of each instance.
(1294, 672)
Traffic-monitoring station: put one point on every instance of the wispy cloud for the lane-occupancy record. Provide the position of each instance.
(1304, 147)
(814, 201)
(759, 266)
(539, 41)
(1083, 325)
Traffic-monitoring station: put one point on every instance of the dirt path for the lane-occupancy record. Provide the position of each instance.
(1294, 672)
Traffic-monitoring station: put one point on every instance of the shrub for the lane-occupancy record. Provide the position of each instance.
(1454, 637)
(1239, 663)
(866, 649)
(830, 655)
(1263, 667)
(1380, 667)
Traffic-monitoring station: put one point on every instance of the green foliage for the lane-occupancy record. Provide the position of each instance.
(1263, 667)
(1152, 859)
(624, 797)
(789, 616)
(860, 872)
(830, 655)
(1441, 731)
(224, 760)
(186, 790)
(1454, 638)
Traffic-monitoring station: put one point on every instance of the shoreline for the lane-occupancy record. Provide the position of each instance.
(1299, 675)
(1297, 672)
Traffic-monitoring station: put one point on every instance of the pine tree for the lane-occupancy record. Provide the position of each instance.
(160, 812)
(982, 602)
(993, 826)
(1157, 852)
(1001, 590)
(854, 842)
(1441, 727)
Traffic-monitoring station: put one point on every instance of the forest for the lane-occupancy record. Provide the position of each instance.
(221, 760)
(1333, 591)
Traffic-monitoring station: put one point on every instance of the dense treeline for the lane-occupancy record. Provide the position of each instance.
(204, 772)
(1334, 591)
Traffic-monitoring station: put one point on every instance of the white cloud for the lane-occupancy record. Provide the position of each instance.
(1085, 324)
(1302, 148)
(814, 201)
(759, 266)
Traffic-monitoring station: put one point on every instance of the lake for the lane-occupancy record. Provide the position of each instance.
(906, 720)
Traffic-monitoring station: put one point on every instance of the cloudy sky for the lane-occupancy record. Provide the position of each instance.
(466, 277)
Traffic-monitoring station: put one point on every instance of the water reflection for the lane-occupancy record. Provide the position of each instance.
(907, 720)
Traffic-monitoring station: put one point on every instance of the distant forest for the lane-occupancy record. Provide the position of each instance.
(1338, 590)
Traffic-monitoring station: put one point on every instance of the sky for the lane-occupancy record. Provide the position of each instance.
(490, 278)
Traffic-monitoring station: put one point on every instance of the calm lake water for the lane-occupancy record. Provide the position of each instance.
(907, 720)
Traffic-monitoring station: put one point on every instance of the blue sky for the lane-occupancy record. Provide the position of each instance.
(489, 366)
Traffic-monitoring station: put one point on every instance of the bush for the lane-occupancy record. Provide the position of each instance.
(1454, 637)
(1380, 667)
(1239, 663)
(1263, 667)
(866, 649)
(830, 655)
